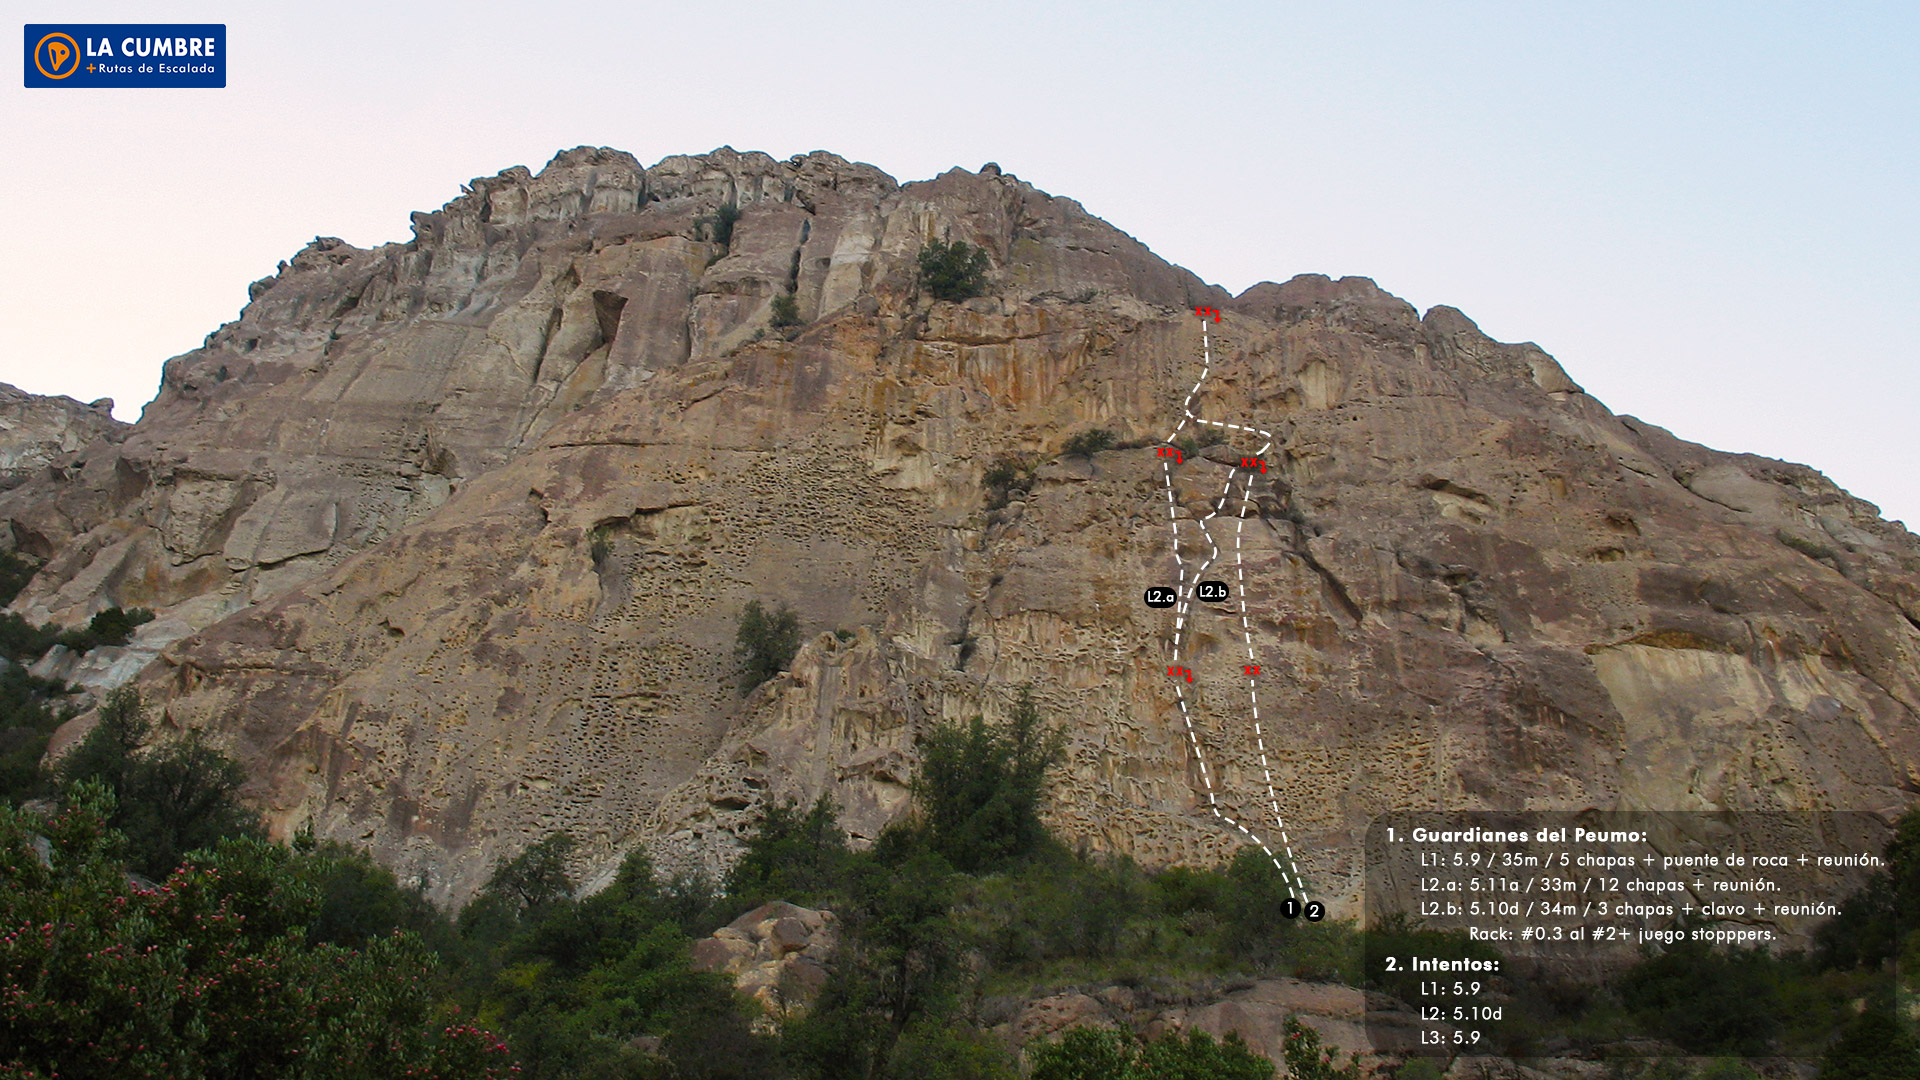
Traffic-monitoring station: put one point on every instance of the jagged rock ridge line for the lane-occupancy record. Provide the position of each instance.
(448, 538)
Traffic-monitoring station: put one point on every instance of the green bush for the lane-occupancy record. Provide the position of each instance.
(786, 311)
(169, 800)
(718, 226)
(22, 642)
(765, 643)
(1200, 440)
(939, 1051)
(1873, 1047)
(1707, 1000)
(577, 983)
(113, 626)
(1812, 549)
(1057, 908)
(1007, 477)
(1307, 1059)
(209, 975)
(1089, 1054)
(798, 857)
(30, 710)
(956, 271)
(1877, 920)
(1090, 442)
(979, 789)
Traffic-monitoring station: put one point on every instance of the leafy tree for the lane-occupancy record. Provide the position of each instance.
(520, 888)
(898, 969)
(30, 710)
(765, 643)
(169, 800)
(800, 858)
(1090, 442)
(955, 271)
(1707, 1000)
(1874, 922)
(980, 789)
(360, 901)
(583, 987)
(1873, 1047)
(943, 1051)
(209, 974)
(1056, 906)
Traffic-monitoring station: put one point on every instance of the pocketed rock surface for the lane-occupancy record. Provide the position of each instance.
(448, 539)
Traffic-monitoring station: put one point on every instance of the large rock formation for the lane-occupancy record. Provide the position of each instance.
(40, 433)
(450, 537)
(778, 955)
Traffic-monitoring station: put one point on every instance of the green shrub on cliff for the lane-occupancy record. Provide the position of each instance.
(114, 626)
(955, 271)
(1090, 442)
(786, 311)
(765, 643)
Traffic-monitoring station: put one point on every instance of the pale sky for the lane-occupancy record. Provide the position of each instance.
(1707, 212)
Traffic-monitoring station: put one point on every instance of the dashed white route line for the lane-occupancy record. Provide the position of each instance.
(1183, 592)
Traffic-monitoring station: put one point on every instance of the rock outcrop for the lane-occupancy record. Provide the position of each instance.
(778, 955)
(449, 538)
(38, 434)
(1257, 1010)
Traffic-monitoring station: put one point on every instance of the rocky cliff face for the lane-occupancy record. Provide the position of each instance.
(41, 433)
(450, 536)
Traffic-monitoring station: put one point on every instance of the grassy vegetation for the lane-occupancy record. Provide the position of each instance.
(1810, 548)
(1090, 1054)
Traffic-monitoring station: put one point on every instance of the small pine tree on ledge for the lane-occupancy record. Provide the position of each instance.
(956, 271)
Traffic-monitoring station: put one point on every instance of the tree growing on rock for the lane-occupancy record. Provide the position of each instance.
(980, 788)
(953, 271)
(765, 643)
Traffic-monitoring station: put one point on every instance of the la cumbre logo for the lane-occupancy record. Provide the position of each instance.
(105, 55)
